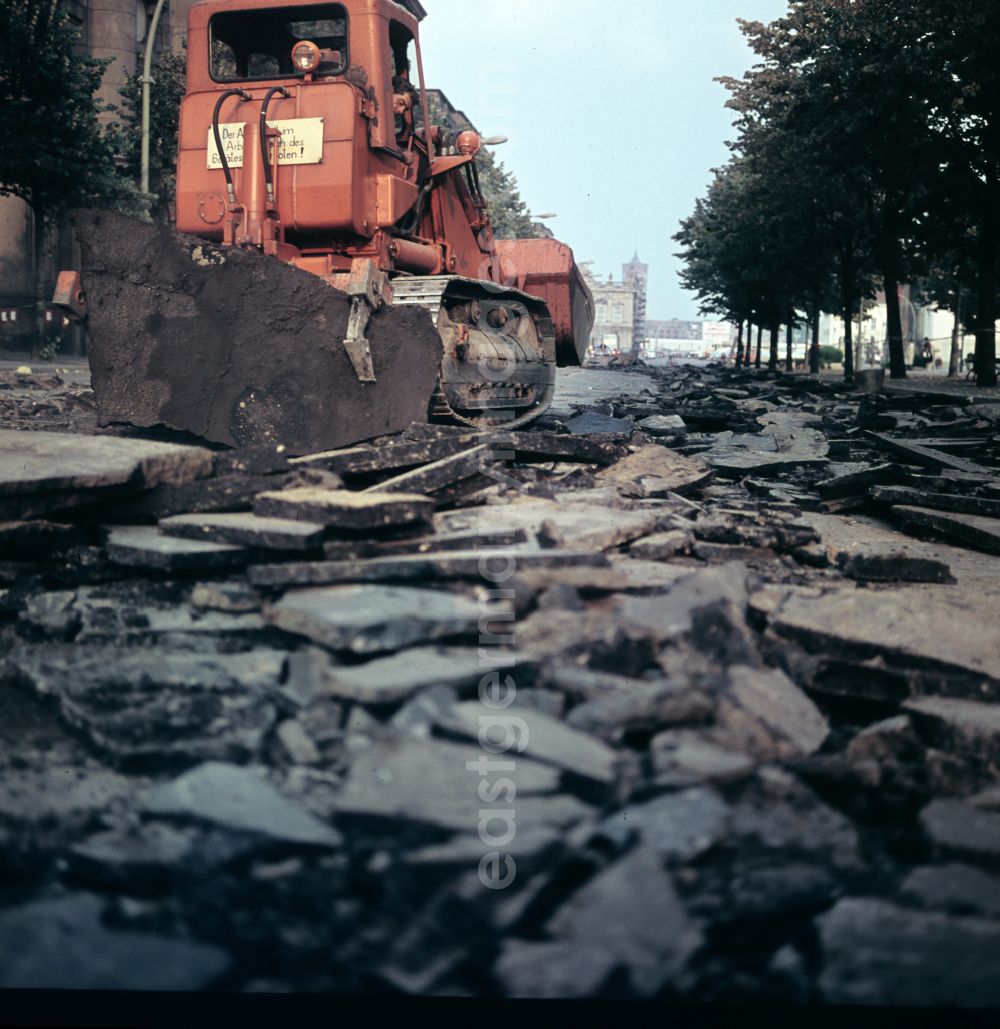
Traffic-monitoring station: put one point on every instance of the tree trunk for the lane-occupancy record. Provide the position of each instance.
(814, 348)
(861, 333)
(890, 278)
(772, 360)
(986, 336)
(40, 280)
(789, 360)
(739, 347)
(845, 276)
(956, 336)
(848, 334)
(760, 345)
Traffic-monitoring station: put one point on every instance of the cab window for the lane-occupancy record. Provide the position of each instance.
(257, 45)
(404, 65)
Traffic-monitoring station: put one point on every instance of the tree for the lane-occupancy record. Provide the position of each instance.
(949, 281)
(772, 238)
(509, 214)
(125, 135)
(55, 156)
(818, 236)
(748, 249)
(966, 120)
(720, 243)
(859, 92)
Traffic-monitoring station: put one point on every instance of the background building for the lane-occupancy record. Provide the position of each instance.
(621, 323)
(673, 329)
(620, 309)
(614, 315)
(636, 275)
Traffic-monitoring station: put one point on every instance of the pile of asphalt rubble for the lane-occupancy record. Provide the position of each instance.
(690, 692)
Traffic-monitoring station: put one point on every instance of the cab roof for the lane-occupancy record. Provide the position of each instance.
(406, 11)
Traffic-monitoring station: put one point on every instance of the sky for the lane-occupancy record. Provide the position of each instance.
(613, 118)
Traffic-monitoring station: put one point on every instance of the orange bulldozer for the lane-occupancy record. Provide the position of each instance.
(334, 275)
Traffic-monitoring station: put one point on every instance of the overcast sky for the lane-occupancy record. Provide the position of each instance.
(614, 119)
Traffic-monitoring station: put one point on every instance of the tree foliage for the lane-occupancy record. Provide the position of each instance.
(721, 241)
(55, 155)
(508, 212)
(869, 132)
(166, 94)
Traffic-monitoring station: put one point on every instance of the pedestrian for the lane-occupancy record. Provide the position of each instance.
(926, 352)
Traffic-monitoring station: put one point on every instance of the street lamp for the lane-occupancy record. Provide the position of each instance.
(147, 81)
(540, 230)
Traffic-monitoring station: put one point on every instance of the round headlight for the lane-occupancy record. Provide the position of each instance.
(305, 57)
(469, 143)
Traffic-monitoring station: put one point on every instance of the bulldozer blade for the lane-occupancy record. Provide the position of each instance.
(239, 348)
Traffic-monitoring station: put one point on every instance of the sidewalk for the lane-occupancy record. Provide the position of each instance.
(919, 381)
(15, 358)
(75, 370)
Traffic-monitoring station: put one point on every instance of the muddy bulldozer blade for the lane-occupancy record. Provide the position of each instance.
(239, 348)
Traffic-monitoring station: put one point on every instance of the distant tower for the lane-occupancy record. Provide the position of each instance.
(636, 274)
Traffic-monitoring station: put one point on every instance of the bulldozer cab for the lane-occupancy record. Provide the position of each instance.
(316, 81)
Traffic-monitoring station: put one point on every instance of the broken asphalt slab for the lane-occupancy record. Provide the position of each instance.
(40, 462)
(935, 633)
(240, 799)
(374, 619)
(971, 530)
(246, 530)
(436, 783)
(469, 565)
(655, 471)
(341, 509)
(715, 705)
(144, 547)
(788, 441)
(62, 944)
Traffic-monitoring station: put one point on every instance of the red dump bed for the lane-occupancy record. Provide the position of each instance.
(545, 268)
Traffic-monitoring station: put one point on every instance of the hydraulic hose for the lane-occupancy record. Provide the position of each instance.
(472, 180)
(245, 96)
(264, 156)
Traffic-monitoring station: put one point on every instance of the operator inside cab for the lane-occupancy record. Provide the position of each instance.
(405, 105)
(404, 98)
